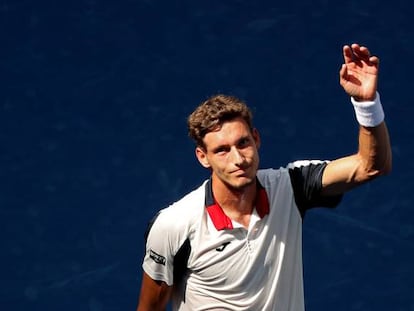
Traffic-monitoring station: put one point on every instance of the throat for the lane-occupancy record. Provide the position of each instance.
(237, 204)
(238, 207)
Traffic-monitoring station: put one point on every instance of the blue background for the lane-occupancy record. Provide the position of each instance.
(94, 98)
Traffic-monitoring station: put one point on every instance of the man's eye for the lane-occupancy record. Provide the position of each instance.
(220, 150)
(243, 142)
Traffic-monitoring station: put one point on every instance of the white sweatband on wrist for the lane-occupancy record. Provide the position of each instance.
(369, 113)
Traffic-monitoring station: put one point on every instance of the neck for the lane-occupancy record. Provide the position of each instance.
(234, 201)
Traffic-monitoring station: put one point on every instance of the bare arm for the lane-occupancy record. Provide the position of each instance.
(358, 77)
(154, 295)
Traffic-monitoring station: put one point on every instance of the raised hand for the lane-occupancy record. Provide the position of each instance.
(359, 74)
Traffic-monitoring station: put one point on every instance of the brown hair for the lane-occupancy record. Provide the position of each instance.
(212, 113)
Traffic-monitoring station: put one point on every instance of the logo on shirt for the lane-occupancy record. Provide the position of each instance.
(157, 258)
(222, 246)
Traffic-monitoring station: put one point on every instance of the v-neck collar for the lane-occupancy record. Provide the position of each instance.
(220, 220)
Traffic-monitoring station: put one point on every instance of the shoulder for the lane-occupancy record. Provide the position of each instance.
(180, 216)
(306, 171)
(268, 174)
(306, 163)
(188, 205)
(306, 178)
(271, 177)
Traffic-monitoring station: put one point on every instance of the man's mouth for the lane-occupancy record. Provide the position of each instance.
(240, 171)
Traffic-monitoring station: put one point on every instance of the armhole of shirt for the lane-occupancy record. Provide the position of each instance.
(306, 180)
(180, 260)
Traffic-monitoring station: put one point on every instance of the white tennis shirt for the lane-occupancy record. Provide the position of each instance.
(215, 263)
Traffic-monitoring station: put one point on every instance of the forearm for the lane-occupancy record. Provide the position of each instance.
(374, 152)
(374, 144)
(372, 159)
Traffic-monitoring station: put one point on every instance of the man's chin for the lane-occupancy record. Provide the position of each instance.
(242, 183)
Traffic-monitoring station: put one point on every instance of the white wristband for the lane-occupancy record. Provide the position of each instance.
(369, 113)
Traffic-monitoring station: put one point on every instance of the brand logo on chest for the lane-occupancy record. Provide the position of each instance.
(222, 246)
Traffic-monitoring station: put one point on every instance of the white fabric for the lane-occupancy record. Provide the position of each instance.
(261, 268)
(369, 113)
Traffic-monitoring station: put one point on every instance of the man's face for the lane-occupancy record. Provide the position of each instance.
(231, 152)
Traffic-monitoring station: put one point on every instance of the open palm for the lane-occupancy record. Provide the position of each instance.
(359, 74)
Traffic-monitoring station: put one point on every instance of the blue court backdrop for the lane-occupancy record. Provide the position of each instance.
(94, 99)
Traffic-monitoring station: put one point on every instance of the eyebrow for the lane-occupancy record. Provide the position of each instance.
(243, 138)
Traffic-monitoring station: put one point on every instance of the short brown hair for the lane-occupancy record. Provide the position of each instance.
(213, 112)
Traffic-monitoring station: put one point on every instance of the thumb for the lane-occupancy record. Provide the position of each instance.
(343, 74)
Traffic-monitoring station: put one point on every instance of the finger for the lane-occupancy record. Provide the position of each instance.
(347, 52)
(359, 51)
(355, 47)
(374, 60)
(343, 74)
(364, 54)
(364, 51)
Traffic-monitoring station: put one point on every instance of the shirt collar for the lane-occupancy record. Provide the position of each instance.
(220, 220)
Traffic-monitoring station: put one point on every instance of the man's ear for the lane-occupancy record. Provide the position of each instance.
(256, 137)
(202, 157)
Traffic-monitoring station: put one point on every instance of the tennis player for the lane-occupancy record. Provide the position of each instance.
(235, 242)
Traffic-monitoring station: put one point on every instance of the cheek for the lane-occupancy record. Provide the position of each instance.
(220, 162)
(255, 159)
(252, 154)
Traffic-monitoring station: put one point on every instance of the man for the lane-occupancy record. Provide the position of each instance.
(235, 242)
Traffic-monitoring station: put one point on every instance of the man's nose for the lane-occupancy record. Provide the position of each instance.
(236, 156)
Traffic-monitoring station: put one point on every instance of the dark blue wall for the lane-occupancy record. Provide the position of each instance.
(94, 97)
